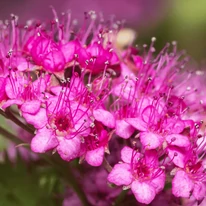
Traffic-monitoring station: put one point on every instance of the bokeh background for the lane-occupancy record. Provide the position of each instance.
(168, 20)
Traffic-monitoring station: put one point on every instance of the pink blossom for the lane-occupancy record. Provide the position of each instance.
(94, 145)
(141, 173)
(61, 123)
(45, 52)
(190, 180)
(23, 92)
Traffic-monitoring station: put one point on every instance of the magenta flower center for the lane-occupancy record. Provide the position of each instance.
(97, 138)
(28, 93)
(62, 123)
(92, 142)
(141, 171)
(193, 168)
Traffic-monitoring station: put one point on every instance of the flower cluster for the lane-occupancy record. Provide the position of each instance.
(86, 98)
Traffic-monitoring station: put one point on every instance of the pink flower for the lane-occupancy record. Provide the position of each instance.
(95, 57)
(59, 121)
(23, 92)
(141, 173)
(60, 126)
(45, 52)
(190, 180)
(94, 145)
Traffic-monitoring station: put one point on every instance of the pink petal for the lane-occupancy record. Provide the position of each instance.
(182, 185)
(137, 123)
(10, 102)
(143, 192)
(95, 157)
(177, 155)
(105, 117)
(199, 191)
(43, 141)
(2, 88)
(69, 149)
(127, 154)
(159, 182)
(54, 61)
(151, 158)
(129, 90)
(123, 129)
(120, 175)
(178, 140)
(151, 140)
(175, 125)
(23, 65)
(39, 120)
(9, 88)
(39, 85)
(68, 50)
(31, 107)
(56, 90)
(150, 114)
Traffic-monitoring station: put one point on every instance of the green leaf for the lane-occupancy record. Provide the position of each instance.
(21, 185)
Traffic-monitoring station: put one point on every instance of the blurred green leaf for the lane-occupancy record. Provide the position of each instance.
(21, 185)
(3, 141)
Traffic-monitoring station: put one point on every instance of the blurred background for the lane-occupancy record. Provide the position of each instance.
(168, 20)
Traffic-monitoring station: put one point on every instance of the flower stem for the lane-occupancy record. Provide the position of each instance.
(106, 165)
(10, 136)
(9, 115)
(121, 197)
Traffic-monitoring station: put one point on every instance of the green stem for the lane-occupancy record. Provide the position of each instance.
(121, 197)
(10, 136)
(9, 115)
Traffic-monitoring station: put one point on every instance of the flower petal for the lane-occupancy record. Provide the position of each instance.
(177, 155)
(120, 175)
(178, 140)
(123, 129)
(43, 141)
(9, 88)
(2, 88)
(68, 50)
(69, 149)
(127, 153)
(95, 157)
(31, 107)
(151, 140)
(10, 102)
(159, 182)
(105, 117)
(182, 185)
(143, 192)
(151, 158)
(199, 191)
(39, 120)
(137, 123)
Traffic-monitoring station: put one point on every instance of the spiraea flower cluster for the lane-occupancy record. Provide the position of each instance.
(137, 113)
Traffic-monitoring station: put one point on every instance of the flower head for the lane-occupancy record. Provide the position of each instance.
(143, 174)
